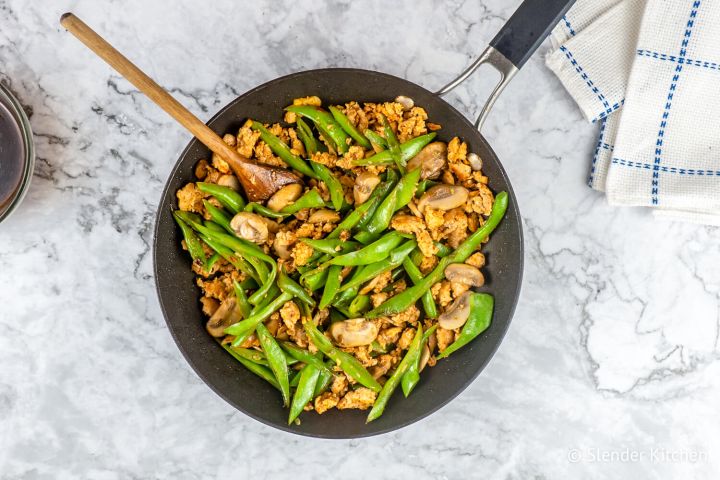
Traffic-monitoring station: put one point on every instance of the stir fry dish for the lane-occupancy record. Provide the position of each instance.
(342, 288)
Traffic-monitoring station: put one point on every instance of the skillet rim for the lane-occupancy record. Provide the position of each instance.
(401, 424)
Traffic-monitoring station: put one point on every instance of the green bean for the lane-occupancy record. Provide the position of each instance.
(258, 370)
(305, 391)
(302, 355)
(403, 300)
(481, 311)
(253, 207)
(192, 242)
(294, 378)
(306, 136)
(252, 355)
(229, 198)
(219, 217)
(391, 384)
(311, 199)
(212, 261)
(346, 296)
(393, 144)
(242, 300)
(290, 286)
(397, 199)
(280, 149)
(332, 284)
(349, 364)
(314, 279)
(378, 268)
(383, 191)
(276, 359)
(416, 276)
(249, 324)
(359, 305)
(349, 128)
(214, 226)
(323, 381)
(374, 252)
(406, 188)
(409, 381)
(325, 123)
(376, 139)
(330, 246)
(237, 262)
(232, 242)
(337, 196)
(407, 150)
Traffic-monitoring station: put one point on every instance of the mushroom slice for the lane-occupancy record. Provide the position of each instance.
(284, 197)
(431, 160)
(354, 333)
(250, 226)
(464, 273)
(282, 243)
(324, 216)
(444, 197)
(365, 183)
(226, 315)
(424, 357)
(229, 181)
(458, 313)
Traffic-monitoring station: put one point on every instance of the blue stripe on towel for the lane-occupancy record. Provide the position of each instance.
(608, 109)
(675, 59)
(666, 169)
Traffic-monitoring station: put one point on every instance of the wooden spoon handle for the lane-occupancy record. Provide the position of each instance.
(145, 84)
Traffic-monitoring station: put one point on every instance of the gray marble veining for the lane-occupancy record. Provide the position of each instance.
(613, 350)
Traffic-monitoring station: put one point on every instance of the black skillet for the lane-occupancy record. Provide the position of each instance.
(508, 52)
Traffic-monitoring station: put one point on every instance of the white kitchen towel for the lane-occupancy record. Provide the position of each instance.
(662, 148)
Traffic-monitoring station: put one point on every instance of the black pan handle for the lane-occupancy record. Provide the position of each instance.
(511, 48)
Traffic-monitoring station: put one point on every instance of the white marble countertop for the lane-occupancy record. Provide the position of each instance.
(610, 366)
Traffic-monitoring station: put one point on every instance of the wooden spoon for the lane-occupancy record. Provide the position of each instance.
(259, 181)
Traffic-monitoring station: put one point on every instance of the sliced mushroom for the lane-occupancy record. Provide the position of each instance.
(284, 197)
(365, 183)
(458, 313)
(282, 244)
(475, 161)
(406, 102)
(324, 216)
(354, 333)
(224, 316)
(250, 226)
(229, 181)
(444, 197)
(424, 357)
(431, 160)
(465, 274)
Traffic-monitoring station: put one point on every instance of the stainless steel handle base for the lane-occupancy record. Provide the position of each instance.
(507, 71)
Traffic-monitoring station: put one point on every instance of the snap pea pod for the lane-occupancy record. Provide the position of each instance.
(363, 213)
(397, 199)
(252, 355)
(212, 261)
(280, 149)
(372, 253)
(323, 381)
(403, 300)
(346, 296)
(237, 262)
(376, 139)
(393, 144)
(481, 310)
(359, 305)
(192, 241)
(383, 190)
(259, 370)
(276, 359)
(253, 207)
(314, 279)
(335, 188)
(406, 188)
(232, 242)
(242, 300)
(304, 392)
(349, 128)
(373, 270)
(312, 145)
(332, 285)
(260, 268)
(229, 198)
(423, 185)
(325, 123)
(330, 246)
(349, 364)
(218, 217)
(290, 286)
(294, 379)
(311, 199)
(302, 355)
(391, 384)
(214, 226)
(262, 293)
(407, 151)
(412, 377)
(416, 276)
(262, 314)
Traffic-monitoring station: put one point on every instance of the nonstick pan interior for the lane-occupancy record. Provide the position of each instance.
(179, 296)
